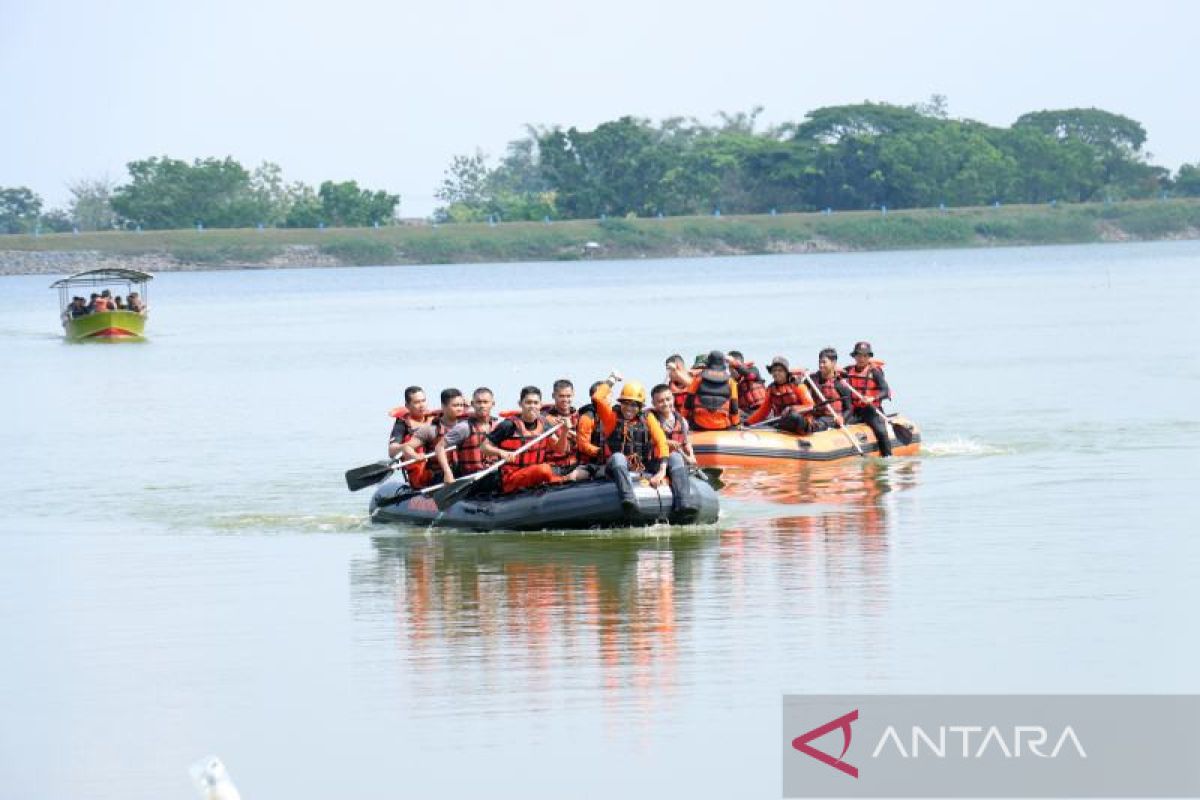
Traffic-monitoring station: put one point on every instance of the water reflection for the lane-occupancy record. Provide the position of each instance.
(544, 620)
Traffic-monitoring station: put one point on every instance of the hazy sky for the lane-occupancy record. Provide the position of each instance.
(386, 92)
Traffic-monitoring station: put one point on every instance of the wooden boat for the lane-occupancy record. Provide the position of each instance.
(113, 325)
(765, 447)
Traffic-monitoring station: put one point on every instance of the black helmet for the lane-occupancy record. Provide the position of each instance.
(716, 360)
(862, 348)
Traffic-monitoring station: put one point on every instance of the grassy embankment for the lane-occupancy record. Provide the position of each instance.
(625, 238)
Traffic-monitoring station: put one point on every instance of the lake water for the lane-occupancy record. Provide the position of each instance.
(182, 571)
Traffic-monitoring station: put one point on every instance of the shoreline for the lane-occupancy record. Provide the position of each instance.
(606, 239)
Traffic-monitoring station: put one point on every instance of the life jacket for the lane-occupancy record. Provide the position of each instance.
(679, 432)
(679, 393)
(751, 389)
(470, 450)
(711, 405)
(597, 437)
(102, 304)
(552, 416)
(631, 437)
(781, 397)
(518, 439)
(829, 393)
(865, 383)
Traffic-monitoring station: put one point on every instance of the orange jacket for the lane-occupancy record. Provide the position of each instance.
(713, 419)
(608, 418)
(781, 398)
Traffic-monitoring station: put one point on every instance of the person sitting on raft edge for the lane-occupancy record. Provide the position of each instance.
(528, 469)
(787, 400)
(636, 442)
(870, 389)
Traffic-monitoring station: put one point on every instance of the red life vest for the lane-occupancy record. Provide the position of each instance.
(679, 432)
(865, 383)
(829, 393)
(552, 416)
(782, 397)
(470, 453)
(518, 439)
(752, 392)
(711, 405)
(679, 393)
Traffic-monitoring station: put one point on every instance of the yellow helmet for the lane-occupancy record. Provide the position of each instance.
(635, 391)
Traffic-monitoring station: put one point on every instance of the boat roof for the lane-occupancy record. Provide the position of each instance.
(97, 277)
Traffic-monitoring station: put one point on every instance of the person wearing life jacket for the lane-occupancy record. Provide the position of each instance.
(712, 401)
(678, 379)
(833, 399)
(561, 409)
(787, 400)
(635, 442)
(752, 391)
(589, 435)
(410, 416)
(866, 378)
(675, 425)
(467, 437)
(426, 438)
(527, 469)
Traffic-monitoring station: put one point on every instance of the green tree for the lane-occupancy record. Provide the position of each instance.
(90, 207)
(346, 205)
(19, 209)
(1187, 180)
(168, 193)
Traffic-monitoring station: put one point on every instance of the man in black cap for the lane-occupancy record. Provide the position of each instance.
(870, 389)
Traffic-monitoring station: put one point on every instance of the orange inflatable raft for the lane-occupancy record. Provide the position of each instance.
(766, 447)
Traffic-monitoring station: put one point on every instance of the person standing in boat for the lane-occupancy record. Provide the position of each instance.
(426, 439)
(527, 469)
(833, 399)
(712, 401)
(467, 435)
(787, 401)
(870, 390)
(635, 442)
(675, 426)
(752, 390)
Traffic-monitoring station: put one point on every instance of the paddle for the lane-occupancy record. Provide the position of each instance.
(453, 491)
(765, 422)
(370, 474)
(710, 475)
(902, 432)
(818, 393)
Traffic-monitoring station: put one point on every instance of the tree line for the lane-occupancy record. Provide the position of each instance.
(165, 193)
(849, 157)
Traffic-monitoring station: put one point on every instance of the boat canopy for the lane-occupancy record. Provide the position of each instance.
(100, 277)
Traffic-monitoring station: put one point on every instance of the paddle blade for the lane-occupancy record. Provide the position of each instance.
(712, 476)
(451, 493)
(904, 433)
(368, 475)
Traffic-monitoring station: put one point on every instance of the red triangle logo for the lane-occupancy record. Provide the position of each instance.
(801, 743)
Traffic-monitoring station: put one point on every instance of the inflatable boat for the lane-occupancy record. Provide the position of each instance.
(588, 504)
(764, 447)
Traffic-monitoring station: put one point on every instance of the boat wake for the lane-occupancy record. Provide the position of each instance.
(960, 446)
(291, 523)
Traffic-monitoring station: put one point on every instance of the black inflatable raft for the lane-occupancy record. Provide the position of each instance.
(589, 504)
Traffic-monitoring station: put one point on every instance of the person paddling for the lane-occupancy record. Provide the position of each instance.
(788, 401)
(712, 401)
(467, 435)
(833, 398)
(866, 379)
(527, 469)
(636, 443)
(412, 415)
(428, 437)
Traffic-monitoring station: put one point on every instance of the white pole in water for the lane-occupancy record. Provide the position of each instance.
(212, 780)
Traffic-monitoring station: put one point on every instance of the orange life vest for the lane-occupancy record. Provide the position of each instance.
(679, 432)
(470, 453)
(865, 383)
(752, 392)
(785, 396)
(552, 416)
(101, 304)
(710, 400)
(829, 393)
(518, 439)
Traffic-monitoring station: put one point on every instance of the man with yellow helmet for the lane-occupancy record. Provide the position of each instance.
(635, 442)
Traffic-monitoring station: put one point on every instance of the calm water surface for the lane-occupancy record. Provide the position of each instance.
(182, 571)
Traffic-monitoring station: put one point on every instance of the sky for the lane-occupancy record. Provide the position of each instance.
(386, 93)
